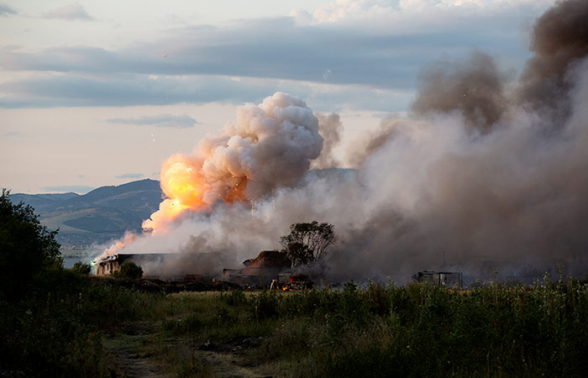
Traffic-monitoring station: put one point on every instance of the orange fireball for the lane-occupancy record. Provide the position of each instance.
(185, 187)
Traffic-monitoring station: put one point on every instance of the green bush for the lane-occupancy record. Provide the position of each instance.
(130, 270)
(82, 268)
(26, 248)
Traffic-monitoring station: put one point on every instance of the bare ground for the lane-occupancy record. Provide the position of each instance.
(126, 350)
(228, 365)
(130, 355)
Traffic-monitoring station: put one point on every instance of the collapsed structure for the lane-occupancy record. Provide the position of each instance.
(259, 271)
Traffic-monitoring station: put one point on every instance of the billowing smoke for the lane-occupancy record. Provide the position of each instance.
(493, 179)
(330, 128)
(559, 43)
(374, 140)
(475, 90)
(269, 146)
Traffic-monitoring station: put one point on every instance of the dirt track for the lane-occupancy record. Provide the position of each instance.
(130, 355)
(229, 366)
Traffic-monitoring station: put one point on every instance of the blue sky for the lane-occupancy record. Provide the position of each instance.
(99, 93)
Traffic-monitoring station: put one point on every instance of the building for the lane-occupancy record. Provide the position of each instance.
(155, 265)
(448, 279)
(259, 271)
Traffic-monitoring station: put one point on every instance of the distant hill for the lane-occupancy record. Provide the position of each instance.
(97, 217)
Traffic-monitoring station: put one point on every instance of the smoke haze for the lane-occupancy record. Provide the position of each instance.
(478, 178)
(330, 128)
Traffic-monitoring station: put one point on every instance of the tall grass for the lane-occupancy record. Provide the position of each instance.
(418, 330)
(56, 331)
(422, 330)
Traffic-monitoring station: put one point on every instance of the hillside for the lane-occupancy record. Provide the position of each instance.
(97, 217)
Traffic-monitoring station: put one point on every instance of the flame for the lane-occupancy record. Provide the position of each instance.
(116, 246)
(186, 187)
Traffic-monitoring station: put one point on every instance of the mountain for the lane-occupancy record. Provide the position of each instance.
(97, 217)
(41, 201)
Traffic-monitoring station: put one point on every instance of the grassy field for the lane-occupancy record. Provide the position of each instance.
(103, 329)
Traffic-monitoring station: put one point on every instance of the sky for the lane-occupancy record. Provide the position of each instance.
(96, 93)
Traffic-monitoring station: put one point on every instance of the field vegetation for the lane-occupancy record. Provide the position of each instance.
(57, 322)
(498, 330)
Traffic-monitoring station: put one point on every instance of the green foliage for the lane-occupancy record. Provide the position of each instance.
(422, 330)
(307, 242)
(57, 331)
(82, 268)
(130, 270)
(234, 297)
(26, 247)
(265, 304)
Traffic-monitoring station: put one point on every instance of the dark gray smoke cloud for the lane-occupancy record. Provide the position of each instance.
(512, 198)
(470, 183)
(474, 89)
(560, 41)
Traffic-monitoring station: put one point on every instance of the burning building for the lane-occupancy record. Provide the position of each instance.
(113, 264)
(258, 271)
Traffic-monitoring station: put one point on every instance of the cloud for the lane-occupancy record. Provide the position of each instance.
(130, 176)
(69, 12)
(11, 134)
(5, 10)
(381, 57)
(393, 10)
(162, 120)
(248, 51)
(345, 56)
(80, 189)
(74, 90)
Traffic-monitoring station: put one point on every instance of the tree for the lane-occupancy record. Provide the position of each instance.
(26, 247)
(307, 242)
(130, 270)
(82, 268)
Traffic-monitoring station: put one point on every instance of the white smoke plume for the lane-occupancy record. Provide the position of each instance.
(471, 183)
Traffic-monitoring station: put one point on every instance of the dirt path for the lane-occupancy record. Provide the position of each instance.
(130, 349)
(127, 353)
(133, 365)
(231, 366)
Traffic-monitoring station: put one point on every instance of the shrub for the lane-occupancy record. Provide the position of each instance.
(130, 270)
(82, 268)
(26, 248)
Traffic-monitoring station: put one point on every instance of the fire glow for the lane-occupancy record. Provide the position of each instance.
(185, 186)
